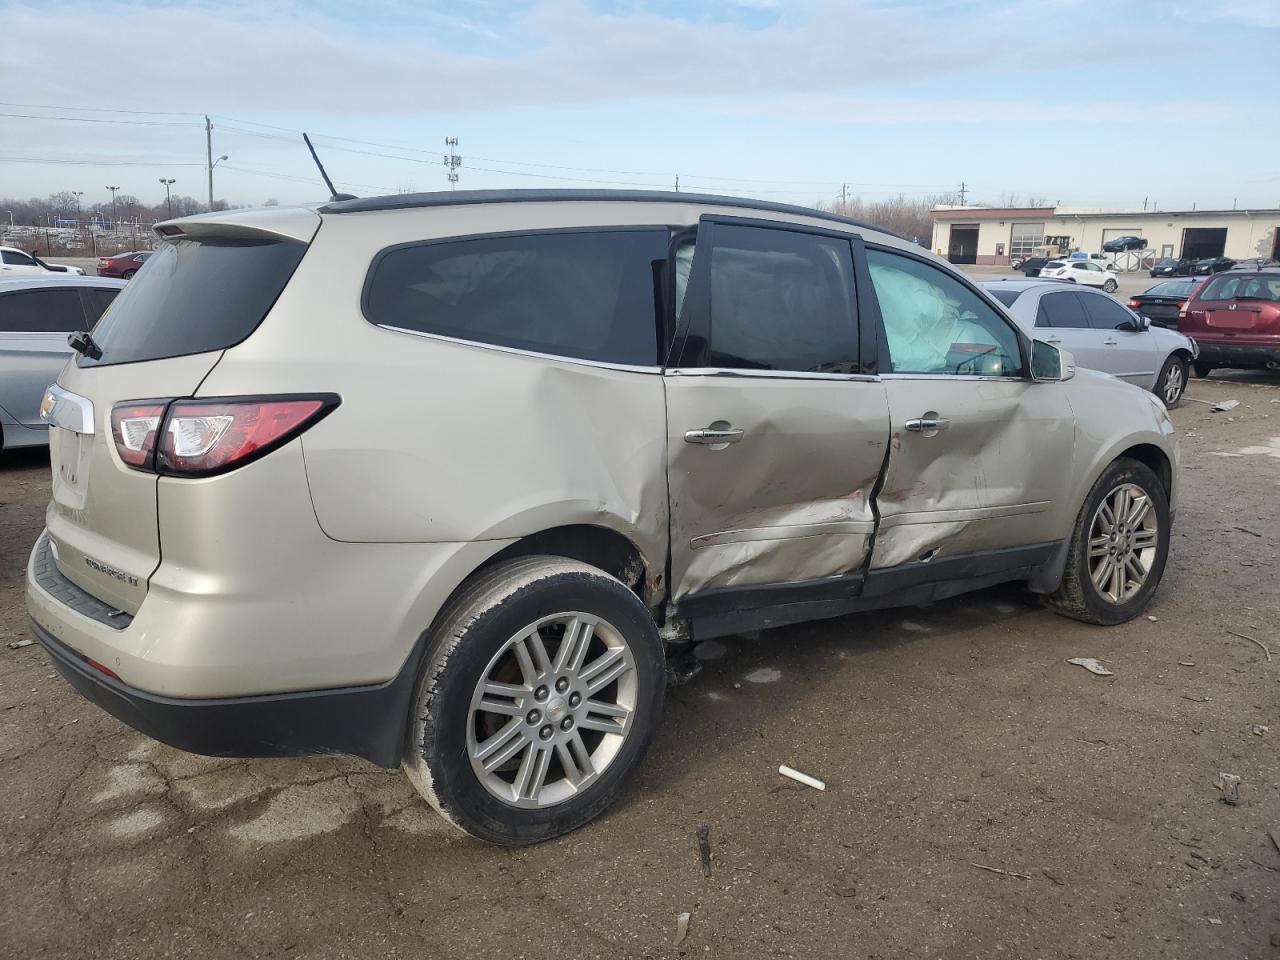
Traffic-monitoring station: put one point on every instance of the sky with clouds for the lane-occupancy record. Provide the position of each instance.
(1078, 101)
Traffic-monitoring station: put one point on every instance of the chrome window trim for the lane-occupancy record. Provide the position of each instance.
(952, 376)
(767, 374)
(516, 351)
(62, 408)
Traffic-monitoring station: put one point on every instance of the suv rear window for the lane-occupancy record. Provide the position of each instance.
(589, 295)
(1242, 286)
(195, 296)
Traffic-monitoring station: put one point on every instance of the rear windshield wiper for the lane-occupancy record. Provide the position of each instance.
(82, 342)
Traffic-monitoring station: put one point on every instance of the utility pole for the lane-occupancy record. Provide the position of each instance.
(844, 196)
(963, 189)
(452, 161)
(77, 194)
(113, 206)
(208, 156)
(1144, 204)
(167, 199)
(677, 183)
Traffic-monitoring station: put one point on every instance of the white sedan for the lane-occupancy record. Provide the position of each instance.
(1088, 272)
(15, 263)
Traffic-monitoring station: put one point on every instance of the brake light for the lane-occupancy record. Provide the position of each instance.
(1134, 304)
(133, 427)
(198, 438)
(203, 437)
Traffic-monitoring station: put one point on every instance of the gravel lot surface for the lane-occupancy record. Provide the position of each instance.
(950, 736)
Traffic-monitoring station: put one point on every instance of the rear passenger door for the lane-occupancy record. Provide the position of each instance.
(33, 345)
(776, 429)
(1128, 347)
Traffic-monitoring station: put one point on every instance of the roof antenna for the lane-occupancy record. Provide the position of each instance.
(333, 194)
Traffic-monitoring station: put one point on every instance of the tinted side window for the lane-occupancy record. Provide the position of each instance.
(588, 295)
(1061, 310)
(1006, 296)
(1105, 313)
(781, 300)
(42, 311)
(96, 302)
(16, 259)
(936, 324)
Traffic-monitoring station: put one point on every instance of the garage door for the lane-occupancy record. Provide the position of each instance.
(1202, 242)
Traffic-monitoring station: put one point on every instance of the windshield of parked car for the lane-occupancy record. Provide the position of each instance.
(1245, 286)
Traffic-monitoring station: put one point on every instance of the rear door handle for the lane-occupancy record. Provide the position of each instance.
(713, 435)
(1052, 339)
(1110, 341)
(927, 425)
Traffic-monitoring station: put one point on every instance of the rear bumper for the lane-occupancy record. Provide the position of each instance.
(369, 722)
(1238, 354)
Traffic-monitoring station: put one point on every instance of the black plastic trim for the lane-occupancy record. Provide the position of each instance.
(411, 201)
(727, 599)
(45, 572)
(367, 721)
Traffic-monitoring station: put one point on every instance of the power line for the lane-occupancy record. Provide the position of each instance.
(103, 163)
(144, 113)
(137, 123)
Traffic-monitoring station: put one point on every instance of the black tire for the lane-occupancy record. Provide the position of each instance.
(1171, 384)
(476, 625)
(1077, 596)
(1110, 286)
(128, 274)
(1202, 369)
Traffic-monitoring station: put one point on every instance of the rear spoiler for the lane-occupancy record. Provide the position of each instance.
(270, 223)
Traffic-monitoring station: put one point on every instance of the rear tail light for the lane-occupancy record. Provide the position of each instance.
(1134, 305)
(198, 438)
(134, 426)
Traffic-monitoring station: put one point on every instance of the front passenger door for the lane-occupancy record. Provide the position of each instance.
(775, 435)
(980, 454)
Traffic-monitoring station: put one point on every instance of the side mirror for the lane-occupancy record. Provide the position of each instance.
(1048, 363)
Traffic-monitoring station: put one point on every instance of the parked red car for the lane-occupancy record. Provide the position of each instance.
(122, 265)
(1235, 319)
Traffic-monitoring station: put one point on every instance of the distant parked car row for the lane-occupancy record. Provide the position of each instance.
(1189, 266)
(122, 265)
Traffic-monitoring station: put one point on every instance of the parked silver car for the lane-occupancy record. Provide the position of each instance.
(454, 480)
(1101, 333)
(36, 314)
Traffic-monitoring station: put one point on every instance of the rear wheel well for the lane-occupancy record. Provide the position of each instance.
(1153, 457)
(607, 549)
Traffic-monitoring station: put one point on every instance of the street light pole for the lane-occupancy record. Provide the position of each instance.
(77, 194)
(113, 206)
(211, 169)
(167, 199)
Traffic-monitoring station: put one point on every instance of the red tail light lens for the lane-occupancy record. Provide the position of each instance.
(1135, 305)
(134, 426)
(203, 437)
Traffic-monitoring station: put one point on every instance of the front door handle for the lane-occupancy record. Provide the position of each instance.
(719, 433)
(1052, 339)
(1110, 341)
(929, 424)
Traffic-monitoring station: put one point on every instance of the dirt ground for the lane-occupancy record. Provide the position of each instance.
(949, 736)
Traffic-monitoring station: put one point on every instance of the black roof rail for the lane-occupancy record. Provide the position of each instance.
(447, 198)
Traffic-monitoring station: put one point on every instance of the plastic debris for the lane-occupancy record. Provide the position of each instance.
(682, 927)
(704, 849)
(1186, 663)
(1092, 665)
(804, 778)
(1215, 921)
(1003, 873)
(1259, 729)
(1154, 619)
(1229, 784)
(1223, 405)
(19, 644)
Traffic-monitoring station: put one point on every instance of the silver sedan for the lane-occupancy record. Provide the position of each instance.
(36, 314)
(1101, 333)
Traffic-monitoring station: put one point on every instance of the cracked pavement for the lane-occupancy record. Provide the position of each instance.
(949, 736)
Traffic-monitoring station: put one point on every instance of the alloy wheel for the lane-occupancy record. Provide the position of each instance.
(1123, 536)
(1173, 383)
(552, 710)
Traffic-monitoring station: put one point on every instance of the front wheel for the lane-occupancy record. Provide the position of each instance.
(1202, 369)
(1118, 549)
(541, 689)
(1172, 382)
(1110, 286)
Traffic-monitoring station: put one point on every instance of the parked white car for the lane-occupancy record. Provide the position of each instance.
(1088, 272)
(15, 263)
(1101, 333)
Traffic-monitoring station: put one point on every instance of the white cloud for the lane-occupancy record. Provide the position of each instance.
(1256, 13)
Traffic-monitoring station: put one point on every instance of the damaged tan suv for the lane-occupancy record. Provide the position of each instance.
(451, 480)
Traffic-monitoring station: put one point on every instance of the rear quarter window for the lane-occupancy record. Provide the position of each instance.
(194, 297)
(588, 295)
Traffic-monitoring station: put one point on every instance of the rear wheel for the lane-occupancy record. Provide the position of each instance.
(1118, 548)
(1110, 286)
(541, 690)
(1172, 382)
(128, 274)
(1202, 369)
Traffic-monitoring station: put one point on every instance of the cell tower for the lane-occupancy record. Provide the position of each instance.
(452, 161)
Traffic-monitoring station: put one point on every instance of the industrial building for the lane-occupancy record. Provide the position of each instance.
(995, 235)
